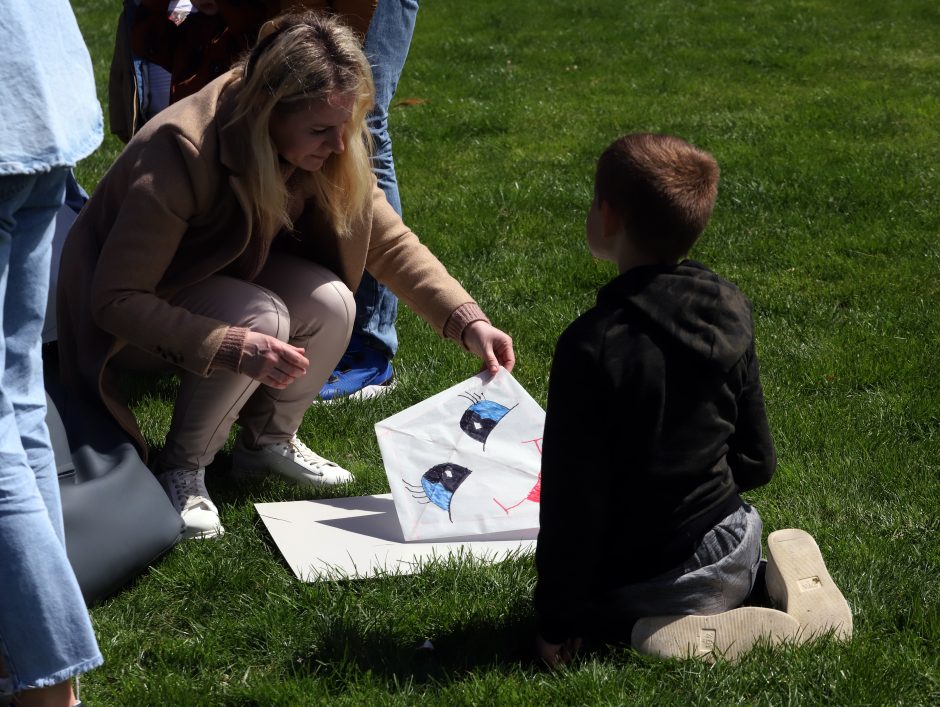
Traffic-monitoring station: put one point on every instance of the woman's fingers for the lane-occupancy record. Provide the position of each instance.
(281, 373)
(271, 361)
(294, 357)
(493, 346)
(277, 378)
(505, 353)
(490, 362)
(292, 370)
(290, 365)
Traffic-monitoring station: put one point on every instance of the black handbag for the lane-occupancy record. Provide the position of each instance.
(118, 519)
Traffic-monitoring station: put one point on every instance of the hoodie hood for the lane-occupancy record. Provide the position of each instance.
(691, 305)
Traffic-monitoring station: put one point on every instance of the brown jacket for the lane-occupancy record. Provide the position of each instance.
(173, 211)
(124, 114)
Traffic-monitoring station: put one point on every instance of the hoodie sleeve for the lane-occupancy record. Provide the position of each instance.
(572, 500)
(751, 448)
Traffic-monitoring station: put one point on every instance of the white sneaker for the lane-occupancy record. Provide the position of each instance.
(293, 460)
(799, 584)
(187, 491)
(729, 634)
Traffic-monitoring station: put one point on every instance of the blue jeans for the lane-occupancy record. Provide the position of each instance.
(386, 46)
(45, 633)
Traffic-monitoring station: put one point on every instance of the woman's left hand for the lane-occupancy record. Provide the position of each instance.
(490, 344)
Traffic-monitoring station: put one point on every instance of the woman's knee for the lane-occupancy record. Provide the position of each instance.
(240, 303)
(266, 313)
(331, 308)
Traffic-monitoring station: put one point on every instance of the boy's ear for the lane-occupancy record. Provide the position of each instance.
(613, 224)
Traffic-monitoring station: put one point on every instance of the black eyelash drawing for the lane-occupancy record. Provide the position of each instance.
(438, 485)
(481, 418)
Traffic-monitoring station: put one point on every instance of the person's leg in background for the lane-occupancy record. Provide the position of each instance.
(46, 636)
(366, 368)
(75, 198)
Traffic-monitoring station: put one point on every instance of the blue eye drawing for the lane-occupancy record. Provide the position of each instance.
(482, 417)
(438, 485)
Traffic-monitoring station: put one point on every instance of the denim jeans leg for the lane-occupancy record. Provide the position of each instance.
(386, 46)
(45, 633)
(75, 196)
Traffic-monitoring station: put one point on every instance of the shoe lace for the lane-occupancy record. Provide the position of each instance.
(309, 456)
(189, 487)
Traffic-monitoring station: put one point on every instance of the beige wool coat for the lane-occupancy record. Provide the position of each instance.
(172, 211)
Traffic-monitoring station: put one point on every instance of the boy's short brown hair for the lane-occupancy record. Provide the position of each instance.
(662, 187)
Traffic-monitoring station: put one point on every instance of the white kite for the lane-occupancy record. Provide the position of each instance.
(466, 461)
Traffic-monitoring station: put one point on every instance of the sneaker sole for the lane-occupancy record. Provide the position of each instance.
(189, 534)
(251, 472)
(799, 583)
(366, 393)
(727, 635)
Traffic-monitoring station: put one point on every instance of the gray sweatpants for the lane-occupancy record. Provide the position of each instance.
(718, 577)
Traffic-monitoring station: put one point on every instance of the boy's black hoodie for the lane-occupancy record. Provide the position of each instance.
(655, 422)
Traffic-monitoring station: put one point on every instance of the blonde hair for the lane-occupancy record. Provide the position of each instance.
(300, 58)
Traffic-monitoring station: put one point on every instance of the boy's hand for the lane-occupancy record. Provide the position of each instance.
(556, 655)
(490, 344)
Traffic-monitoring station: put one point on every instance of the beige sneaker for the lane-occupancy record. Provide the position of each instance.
(727, 635)
(187, 491)
(798, 583)
(293, 460)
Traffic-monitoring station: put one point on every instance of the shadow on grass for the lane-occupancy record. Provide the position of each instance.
(506, 646)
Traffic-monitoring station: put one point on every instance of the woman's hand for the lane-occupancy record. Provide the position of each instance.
(271, 361)
(490, 344)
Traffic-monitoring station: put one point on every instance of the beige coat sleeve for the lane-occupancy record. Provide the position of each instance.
(399, 260)
(152, 219)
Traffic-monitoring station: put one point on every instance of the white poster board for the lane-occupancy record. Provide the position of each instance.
(360, 537)
(466, 461)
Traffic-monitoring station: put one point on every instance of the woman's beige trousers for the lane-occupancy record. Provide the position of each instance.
(292, 299)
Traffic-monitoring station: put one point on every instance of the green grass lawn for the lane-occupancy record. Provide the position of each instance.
(825, 119)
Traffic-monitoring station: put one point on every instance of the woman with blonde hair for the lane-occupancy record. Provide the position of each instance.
(225, 243)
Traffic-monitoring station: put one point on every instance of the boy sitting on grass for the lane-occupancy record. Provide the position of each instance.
(655, 425)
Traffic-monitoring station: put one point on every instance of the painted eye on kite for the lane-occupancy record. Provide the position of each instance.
(439, 484)
(482, 417)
